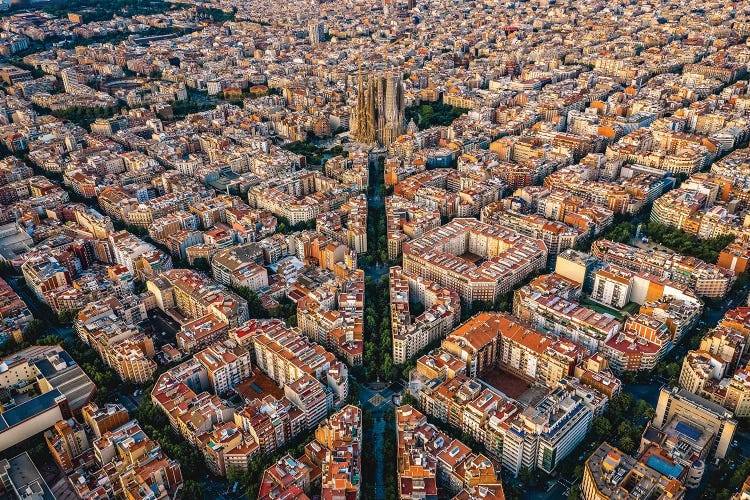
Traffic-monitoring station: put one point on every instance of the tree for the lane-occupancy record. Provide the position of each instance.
(191, 490)
(353, 396)
(685, 243)
(67, 316)
(390, 489)
(601, 428)
(643, 410)
(528, 478)
(574, 493)
(34, 330)
(235, 475)
(621, 233)
(202, 264)
(434, 114)
(370, 319)
(408, 399)
(624, 428)
(52, 340)
(627, 445)
(254, 305)
(387, 366)
(670, 371)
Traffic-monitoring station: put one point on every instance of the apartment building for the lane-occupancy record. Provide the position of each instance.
(143, 214)
(128, 464)
(347, 225)
(736, 255)
(737, 397)
(311, 397)
(640, 345)
(44, 274)
(543, 435)
(204, 420)
(611, 474)
(194, 296)
(333, 314)
(554, 313)
(226, 446)
(287, 478)
(286, 356)
(14, 313)
(406, 220)
(272, 422)
(706, 280)
(698, 369)
(696, 412)
(240, 266)
(578, 267)
(67, 442)
(42, 385)
(445, 400)
(341, 435)
(126, 348)
(226, 363)
(442, 312)
(679, 312)
(477, 260)
(676, 208)
(477, 342)
(428, 459)
(105, 419)
(330, 466)
(557, 236)
(132, 359)
(201, 333)
(20, 478)
(535, 356)
(612, 287)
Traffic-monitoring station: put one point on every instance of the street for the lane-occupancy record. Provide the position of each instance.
(378, 431)
(39, 311)
(378, 402)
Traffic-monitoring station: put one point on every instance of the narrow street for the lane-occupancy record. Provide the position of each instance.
(375, 272)
(39, 312)
(378, 430)
(375, 201)
(376, 401)
(376, 180)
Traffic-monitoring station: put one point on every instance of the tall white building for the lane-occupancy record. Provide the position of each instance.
(316, 31)
(544, 435)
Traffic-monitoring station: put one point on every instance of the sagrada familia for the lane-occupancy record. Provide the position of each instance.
(379, 115)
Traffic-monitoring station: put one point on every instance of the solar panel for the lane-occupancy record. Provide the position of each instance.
(688, 431)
